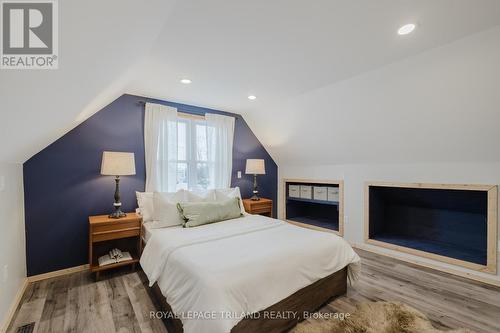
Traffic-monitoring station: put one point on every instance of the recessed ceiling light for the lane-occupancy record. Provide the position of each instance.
(406, 29)
(185, 81)
(252, 97)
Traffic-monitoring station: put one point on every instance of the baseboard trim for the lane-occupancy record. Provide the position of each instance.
(14, 306)
(31, 279)
(49, 275)
(466, 275)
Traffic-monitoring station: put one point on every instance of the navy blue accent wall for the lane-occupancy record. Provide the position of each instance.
(452, 223)
(63, 185)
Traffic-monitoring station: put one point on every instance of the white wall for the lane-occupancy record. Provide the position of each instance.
(439, 106)
(356, 175)
(12, 240)
(430, 118)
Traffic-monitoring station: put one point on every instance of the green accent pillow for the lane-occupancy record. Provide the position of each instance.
(200, 213)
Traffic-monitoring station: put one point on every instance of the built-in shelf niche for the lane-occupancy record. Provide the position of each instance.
(456, 224)
(325, 214)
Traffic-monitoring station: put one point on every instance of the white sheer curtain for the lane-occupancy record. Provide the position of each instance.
(160, 141)
(220, 134)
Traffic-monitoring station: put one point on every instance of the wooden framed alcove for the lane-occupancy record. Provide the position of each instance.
(310, 224)
(457, 195)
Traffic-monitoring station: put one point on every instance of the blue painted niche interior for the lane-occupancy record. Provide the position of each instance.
(324, 214)
(63, 185)
(451, 223)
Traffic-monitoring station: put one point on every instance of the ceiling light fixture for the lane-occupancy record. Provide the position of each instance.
(185, 81)
(252, 97)
(406, 29)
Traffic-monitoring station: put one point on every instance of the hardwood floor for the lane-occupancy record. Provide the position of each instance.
(120, 302)
(449, 301)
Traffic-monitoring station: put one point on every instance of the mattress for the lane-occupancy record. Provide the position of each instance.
(238, 267)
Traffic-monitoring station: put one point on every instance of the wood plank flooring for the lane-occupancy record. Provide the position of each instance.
(449, 301)
(120, 302)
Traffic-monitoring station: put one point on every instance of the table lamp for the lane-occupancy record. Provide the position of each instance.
(117, 164)
(255, 167)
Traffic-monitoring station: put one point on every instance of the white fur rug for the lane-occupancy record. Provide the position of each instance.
(375, 317)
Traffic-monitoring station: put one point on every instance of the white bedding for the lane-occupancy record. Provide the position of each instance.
(238, 267)
(147, 231)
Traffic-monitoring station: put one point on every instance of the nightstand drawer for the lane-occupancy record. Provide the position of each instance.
(115, 226)
(261, 210)
(115, 234)
(261, 205)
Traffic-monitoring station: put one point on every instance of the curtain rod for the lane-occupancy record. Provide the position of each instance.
(189, 114)
(184, 114)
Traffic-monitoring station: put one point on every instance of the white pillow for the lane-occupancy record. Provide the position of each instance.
(146, 205)
(200, 196)
(223, 194)
(165, 209)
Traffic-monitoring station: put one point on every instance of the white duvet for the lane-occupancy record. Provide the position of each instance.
(215, 274)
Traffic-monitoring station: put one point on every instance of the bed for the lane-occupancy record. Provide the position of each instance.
(250, 274)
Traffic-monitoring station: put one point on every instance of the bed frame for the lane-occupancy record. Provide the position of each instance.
(307, 299)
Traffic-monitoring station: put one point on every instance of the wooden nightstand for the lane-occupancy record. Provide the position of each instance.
(261, 207)
(106, 234)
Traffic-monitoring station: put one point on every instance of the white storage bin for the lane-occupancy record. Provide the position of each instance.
(333, 194)
(306, 192)
(320, 193)
(294, 191)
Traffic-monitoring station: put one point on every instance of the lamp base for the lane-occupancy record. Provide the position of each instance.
(118, 205)
(255, 197)
(117, 214)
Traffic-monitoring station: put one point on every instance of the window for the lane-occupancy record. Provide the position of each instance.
(192, 155)
(185, 151)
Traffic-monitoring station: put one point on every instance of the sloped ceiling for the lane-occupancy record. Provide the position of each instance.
(310, 63)
(100, 42)
(439, 106)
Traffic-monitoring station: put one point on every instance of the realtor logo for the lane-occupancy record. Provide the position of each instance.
(29, 35)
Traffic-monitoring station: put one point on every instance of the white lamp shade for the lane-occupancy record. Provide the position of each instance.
(255, 167)
(117, 164)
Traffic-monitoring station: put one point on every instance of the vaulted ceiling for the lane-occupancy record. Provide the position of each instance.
(99, 43)
(319, 70)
